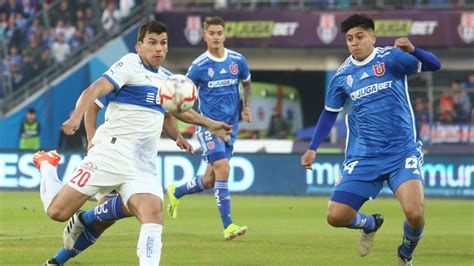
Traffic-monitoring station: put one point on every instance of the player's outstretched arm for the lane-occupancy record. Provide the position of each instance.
(220, 129)
(428, 60)
(171, 130)
(325, 123)
(99, 88)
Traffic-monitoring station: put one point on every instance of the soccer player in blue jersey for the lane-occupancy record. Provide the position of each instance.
(381, 144)
(217, 74)
(124, 151)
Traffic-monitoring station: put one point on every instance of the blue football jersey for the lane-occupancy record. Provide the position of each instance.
(381, 121)
(217, 80)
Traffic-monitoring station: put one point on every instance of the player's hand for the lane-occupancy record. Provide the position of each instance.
(404, 44)
(247, 114)
(183, 144)
(71, 125)
(221, 130)
(307, 159)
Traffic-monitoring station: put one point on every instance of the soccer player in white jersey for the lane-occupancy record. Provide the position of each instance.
(93, 231)
(217, 73)
(125, 147)
(381, 144)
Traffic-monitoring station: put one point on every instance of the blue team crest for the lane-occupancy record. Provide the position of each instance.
(466, 27)
(327, 29)
(210, 72)
(193, 31)
(234, 69)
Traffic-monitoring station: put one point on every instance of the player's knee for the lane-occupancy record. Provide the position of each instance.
(57, 214)
(208, 183)
(336, 220)
(415, 216)
(222, 170)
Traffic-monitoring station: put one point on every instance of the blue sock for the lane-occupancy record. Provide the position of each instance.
(410, 240)
(111, 210)
(194, 185)
(86, 239)
(362, 221)
(222, 195)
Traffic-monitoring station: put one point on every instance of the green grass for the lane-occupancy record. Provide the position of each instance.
(283, 231)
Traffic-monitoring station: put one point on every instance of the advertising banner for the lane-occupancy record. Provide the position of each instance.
(439, 133)
(271, 29)
(263, 174)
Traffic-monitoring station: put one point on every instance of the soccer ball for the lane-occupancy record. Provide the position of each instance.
(177, 94)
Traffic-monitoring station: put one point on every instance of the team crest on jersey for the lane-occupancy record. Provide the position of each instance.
(89, 166)
(327, 29)
(193, 31)
(210, 72)
(234, 68)
(349, 81)
(211, 145)
(379, 69)
(466, 27)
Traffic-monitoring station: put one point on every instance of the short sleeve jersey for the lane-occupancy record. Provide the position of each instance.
(134, 116)
(218, 81)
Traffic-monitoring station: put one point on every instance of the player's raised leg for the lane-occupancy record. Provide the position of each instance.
(59, 202)
(411, 197)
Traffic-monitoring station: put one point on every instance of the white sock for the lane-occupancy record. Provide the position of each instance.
(149, 244)
(50, 184)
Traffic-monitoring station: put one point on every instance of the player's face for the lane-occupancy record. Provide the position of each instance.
(214, 37)
(360, 42)
(153, 49)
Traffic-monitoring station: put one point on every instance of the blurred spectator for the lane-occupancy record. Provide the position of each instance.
(470, 82)
(60, 48)
(16, 76)
(126, 7)
(111, 17)
(462, 102)
(28, 9)
(279, 128)
(447, 109)
(220, 4)
(422, 114)
(30, 132)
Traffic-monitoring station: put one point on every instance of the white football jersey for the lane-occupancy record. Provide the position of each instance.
(134, 116)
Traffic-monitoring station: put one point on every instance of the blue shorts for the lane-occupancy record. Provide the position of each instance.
(365, 176)
(214, 149)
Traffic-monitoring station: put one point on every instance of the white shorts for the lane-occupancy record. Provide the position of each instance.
(104, 170)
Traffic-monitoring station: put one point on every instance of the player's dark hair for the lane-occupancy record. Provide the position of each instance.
(31, 111)
(357, 20)
(213, 20)
(151, 26)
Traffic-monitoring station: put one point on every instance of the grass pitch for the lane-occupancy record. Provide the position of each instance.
(283, 231)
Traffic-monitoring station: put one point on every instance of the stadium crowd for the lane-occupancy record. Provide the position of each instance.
(37, 33)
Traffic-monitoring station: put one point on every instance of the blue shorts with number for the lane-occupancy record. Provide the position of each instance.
(365, 176)
(214, 149)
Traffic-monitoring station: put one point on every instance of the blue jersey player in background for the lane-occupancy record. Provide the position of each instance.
(382, 144)
(217, 73)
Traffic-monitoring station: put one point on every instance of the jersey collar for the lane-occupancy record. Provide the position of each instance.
(147, 67)
(367, 60)
(217, 59)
